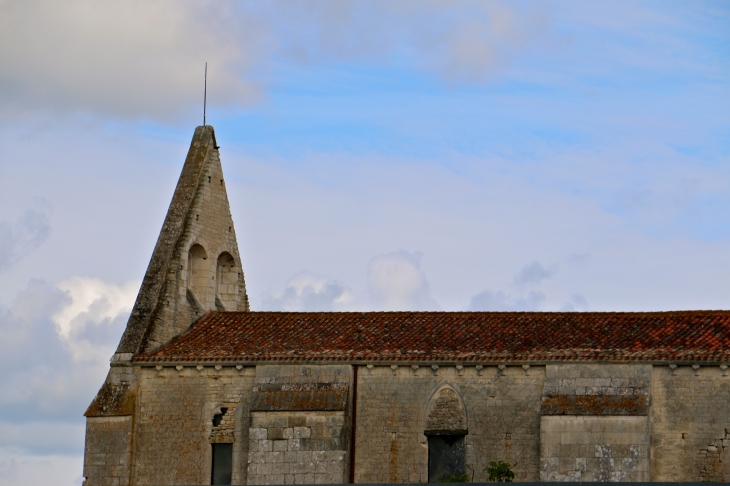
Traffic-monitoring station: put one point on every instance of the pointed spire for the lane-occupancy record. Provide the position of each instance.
(195, 266)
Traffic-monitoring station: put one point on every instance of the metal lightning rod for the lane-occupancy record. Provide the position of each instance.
(205, 92)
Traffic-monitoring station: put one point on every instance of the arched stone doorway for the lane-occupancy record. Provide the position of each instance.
(446, 430)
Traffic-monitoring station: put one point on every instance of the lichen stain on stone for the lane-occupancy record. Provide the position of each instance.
(112, 400)
(393, 461)
(300, 397)
(595, 405)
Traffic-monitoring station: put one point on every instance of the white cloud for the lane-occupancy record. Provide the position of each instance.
(93, 303)
(52, 370)
(397, 282)
(131, 59)
(309, 292)
(57, 436)
(143, 59)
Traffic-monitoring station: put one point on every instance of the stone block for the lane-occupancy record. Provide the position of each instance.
(280, 445)
(258, 433)
(302, 432)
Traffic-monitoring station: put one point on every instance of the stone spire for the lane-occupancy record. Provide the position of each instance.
(195, 266)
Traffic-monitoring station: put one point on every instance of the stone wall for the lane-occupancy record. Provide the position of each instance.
(107, 451)
(600, 389)
(292, 423)
(595, 424)
(502, 408)
(691, 420)
(297, 448)
(594, 448)
(300, 425)
(174, 426)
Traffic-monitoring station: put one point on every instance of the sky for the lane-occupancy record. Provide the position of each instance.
(379, 155)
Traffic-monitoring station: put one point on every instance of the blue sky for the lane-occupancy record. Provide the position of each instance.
(378, 155)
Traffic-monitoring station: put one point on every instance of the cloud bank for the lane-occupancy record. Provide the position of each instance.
(306, 292)
(523, 295)
(133, 59)
(55, 345)
(143, 59)
(395, 281)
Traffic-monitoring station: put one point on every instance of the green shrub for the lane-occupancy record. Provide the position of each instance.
(500, 472)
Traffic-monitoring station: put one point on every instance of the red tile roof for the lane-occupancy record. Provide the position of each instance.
(451, 336)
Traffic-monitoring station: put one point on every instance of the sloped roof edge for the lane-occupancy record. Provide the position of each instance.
(686, 336)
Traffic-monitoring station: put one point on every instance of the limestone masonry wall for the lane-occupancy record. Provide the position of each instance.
(107, 452)
(300, 424)
(597, 448)
(297, 448)
(691, 422)
(292, 424)
(595, 424)
(174, 423)
(502, 409)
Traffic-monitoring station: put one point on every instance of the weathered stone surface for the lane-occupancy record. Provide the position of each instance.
(392, 411)
(299, 396)
(595, 405)
(597, 448)
(174, 425)
(690, 413)
(298, 448)
(446, 414)
(586, 389)
(300, 423)
(113, 399)
(199, 217)
(107, 453)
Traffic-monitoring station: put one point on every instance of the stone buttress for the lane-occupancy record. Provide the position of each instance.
(195, 267)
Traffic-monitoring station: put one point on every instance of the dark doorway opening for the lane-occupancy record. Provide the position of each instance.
(222, 464)
(446, 456)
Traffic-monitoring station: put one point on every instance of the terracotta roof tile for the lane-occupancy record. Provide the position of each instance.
(451, 336)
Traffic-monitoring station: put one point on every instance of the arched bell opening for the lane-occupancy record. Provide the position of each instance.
(199, 273)
(226, 282)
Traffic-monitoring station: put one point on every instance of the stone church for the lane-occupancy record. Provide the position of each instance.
(203, 390)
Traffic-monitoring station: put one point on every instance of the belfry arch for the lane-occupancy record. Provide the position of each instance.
(226, 280)
(199, 273)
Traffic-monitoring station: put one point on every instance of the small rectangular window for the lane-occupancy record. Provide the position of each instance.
(446, 456)
(222, 464)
